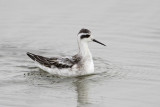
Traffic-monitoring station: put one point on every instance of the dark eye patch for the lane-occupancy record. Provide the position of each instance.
(85, 36)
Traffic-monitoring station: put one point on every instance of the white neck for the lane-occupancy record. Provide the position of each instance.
(84, 52)
(84, 49)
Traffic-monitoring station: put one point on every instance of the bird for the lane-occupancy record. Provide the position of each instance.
(77, 65)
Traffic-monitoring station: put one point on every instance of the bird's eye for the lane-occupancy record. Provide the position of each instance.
(85, 36)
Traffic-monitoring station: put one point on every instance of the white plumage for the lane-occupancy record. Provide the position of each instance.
(79, 64)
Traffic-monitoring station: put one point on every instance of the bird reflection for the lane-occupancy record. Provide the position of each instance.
(82, 89)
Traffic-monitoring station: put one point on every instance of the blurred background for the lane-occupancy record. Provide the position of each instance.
(128, 68)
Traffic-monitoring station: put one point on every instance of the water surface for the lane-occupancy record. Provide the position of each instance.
(128, 67)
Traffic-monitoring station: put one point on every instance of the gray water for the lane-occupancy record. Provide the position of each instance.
(128, 68)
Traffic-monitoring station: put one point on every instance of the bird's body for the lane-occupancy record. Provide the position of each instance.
(79, 64)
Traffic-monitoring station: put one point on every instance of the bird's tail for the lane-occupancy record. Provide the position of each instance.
(40, 59)
(32, 56)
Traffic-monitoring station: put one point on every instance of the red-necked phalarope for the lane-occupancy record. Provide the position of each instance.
(79, 64)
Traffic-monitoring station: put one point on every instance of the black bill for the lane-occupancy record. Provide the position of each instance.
(98, 42)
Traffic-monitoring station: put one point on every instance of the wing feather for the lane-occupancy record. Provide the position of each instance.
(66, 62)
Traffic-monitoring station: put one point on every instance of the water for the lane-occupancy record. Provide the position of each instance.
(128, 67)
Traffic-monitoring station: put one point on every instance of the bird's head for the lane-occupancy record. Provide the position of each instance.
(85, 36)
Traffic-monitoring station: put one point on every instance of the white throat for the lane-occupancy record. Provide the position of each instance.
(84, 52)
(84, 49)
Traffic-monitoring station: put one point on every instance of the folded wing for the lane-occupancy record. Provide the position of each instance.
(59, 63)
